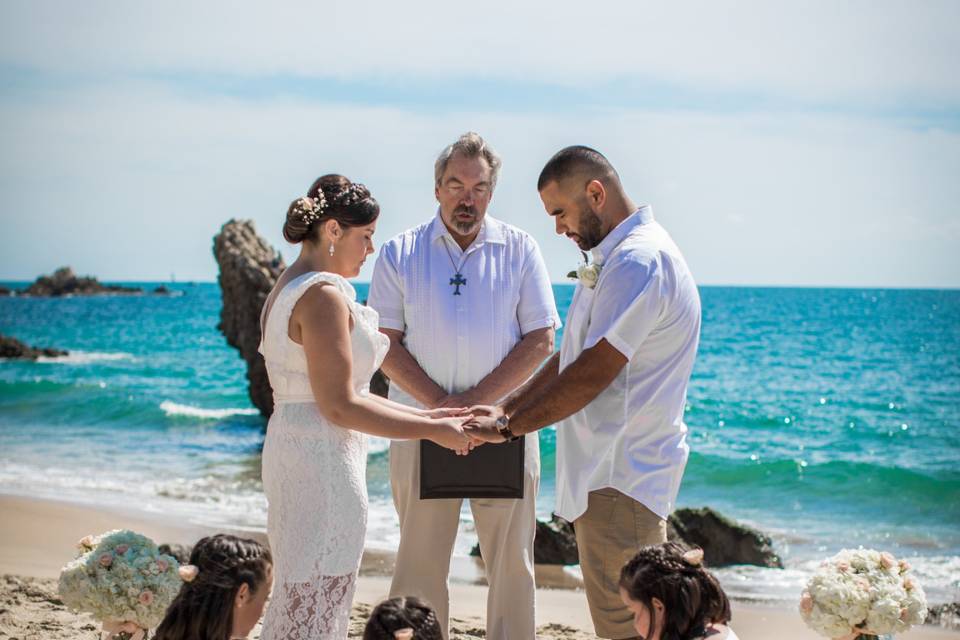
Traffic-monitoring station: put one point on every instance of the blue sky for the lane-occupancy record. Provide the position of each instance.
(813, 143)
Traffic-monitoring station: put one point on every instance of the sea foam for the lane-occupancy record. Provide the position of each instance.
(173, 409)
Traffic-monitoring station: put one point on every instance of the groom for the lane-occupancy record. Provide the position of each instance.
(618, 386)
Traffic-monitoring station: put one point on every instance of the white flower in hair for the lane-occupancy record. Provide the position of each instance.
(310, 209)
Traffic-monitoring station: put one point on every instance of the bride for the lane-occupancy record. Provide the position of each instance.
(321, 347)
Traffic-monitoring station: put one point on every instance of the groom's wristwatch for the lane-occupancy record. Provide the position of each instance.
(503, 428)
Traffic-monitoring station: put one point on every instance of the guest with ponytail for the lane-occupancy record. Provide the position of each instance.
(673, 597)
(226, 586)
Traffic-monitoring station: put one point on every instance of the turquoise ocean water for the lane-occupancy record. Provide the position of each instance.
(826, 417)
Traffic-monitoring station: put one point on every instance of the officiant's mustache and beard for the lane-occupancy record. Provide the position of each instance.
(589, 231)
(466, 219)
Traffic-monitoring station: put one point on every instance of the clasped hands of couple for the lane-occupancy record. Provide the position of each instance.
(471, 426)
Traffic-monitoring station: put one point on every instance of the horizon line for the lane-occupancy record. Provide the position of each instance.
(573, 284)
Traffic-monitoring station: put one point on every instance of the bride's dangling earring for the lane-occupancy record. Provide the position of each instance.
(331, 248)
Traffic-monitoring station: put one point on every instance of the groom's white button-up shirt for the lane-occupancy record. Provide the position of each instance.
(459, 339)
(631, 437)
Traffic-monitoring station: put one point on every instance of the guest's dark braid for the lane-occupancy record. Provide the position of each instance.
(400, 613)
(691, 596)
(203, 610)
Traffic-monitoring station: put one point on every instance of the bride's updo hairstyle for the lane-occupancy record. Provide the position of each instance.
(692, 597)
(330, 197)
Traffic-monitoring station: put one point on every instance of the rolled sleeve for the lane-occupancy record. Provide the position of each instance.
(627, 306)
(386, 290)
(537, 308)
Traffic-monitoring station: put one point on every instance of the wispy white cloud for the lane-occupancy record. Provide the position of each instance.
(133, 181)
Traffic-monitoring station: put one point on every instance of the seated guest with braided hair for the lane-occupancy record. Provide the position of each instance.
(673, 597)
(226, 586)
(403, 619)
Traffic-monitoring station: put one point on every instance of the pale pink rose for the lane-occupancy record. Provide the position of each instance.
(908, 583)
(864, 584)
(904, 566)
(162, 565)
(122, 549)
(146, 597)
(887, 561)
(188, 572)
(106, 559)
(86, 542)
(806, 603)
(904, 614)
(843, 566)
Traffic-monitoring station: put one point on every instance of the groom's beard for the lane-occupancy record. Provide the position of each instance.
(590, 229)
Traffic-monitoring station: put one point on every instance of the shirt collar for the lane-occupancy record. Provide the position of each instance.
(641, 216)
(491, 230)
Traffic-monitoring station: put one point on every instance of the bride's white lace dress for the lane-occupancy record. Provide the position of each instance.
(314, 476)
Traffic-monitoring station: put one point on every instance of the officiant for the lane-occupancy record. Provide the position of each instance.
(467, 304)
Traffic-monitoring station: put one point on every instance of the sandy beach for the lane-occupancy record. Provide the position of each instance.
(37, 537)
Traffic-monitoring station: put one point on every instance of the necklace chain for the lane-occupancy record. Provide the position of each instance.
(457, 280)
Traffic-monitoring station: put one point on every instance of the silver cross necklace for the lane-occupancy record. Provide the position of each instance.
(457, 280)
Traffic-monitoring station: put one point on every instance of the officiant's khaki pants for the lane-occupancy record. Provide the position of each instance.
(609, 533)
(428, 531)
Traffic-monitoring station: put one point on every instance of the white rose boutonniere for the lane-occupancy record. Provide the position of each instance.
(587, 273)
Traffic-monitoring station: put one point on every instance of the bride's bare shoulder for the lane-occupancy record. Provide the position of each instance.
(321, 300)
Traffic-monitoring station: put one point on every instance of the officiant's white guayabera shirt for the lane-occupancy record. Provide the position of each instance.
(631, 437)
(459, 340)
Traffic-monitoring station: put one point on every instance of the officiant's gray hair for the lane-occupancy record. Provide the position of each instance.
(469, 145)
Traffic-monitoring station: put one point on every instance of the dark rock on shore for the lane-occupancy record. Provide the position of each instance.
(14, 349)
(5, 292)
(724, 541)
(162, 291)
(944, 615)
(64, 282)
(249, 267)
(555, 542)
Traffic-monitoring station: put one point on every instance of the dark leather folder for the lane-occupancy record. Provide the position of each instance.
(489, 471)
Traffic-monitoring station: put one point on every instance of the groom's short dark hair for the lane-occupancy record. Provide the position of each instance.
(574, 160)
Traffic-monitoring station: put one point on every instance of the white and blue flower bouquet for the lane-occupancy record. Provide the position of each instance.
(122, 579)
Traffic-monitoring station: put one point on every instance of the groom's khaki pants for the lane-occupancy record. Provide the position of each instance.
(428, 531)
(609, 533)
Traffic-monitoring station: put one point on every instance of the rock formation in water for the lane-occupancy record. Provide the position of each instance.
(64, 282)
(16, 350)
(249, 267)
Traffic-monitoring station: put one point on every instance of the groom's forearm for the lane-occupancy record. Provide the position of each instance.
(570, 391)
(403, 369)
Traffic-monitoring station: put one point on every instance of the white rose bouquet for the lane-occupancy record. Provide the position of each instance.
(123, 580)
(861, 594)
